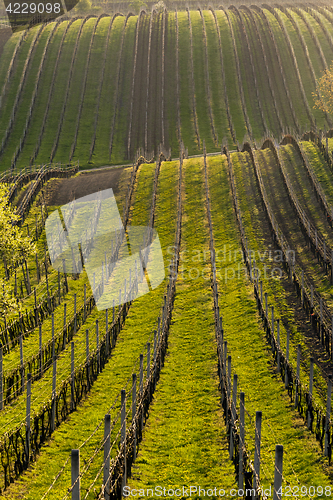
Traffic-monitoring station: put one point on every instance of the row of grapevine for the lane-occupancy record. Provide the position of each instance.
(317, 420)
(34, 95)
(277, 53)
(294, 60)
(98, 357)
(20, 87)
(239, 77)
(11, 65)
(312, 177)
(133, 82)
(313, 303)
(50, 93)
(100, 84)
(253, 77)
(194, 107)
(207, 81)
(225, 93)
(56, 141)
(83, 89)
(118, 79)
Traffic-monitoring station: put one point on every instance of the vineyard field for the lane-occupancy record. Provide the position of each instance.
(172, 328)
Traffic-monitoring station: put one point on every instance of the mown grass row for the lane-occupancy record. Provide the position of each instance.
(113, 112)
(140, 322)
(277, 283)
(251, 357)
(31, 342)
(300, 182)
(280, 204)
(185, 421)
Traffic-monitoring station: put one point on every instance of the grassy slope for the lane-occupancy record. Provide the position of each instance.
(105, 112)
(170, 85)
(305, 192)
(303, 68)
(279, 294)
(140, 322)
(275, 74)
(8, 102)
(59, 91)
(119, 147)
(23, 109)
(70, 116)
(186, 109)
(261, 75)
(290, 73)
(30, 344)
(86, 125)
(251, 357)
(235, 103)
(320, 168)
(215, 77)
(250, 96)
(6, 56)
(280, 205)
(42, 97)
(202, 104)
(185, 440)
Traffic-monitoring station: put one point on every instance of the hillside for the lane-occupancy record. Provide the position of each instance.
(97, 89)
(202, 358)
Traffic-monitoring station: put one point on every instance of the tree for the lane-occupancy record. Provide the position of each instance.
(83, 6)
(323, 99)
(14, 246)
(136, 5)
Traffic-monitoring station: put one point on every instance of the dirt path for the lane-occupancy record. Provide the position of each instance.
(60, 191)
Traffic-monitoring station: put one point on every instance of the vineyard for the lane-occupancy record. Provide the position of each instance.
(219, 376)
(95, 89)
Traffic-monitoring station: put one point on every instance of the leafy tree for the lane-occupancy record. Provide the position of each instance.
(136, 5)
(83, 6)
(324, 98)
(14, 246)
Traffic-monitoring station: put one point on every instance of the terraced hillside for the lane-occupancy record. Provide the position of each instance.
(97, 89)
(240, 321)
(199, 380)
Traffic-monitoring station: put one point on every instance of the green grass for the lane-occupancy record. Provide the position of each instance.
(202, 104)
(59, 91)
(12, 88)
(215, 77)
(320, 168)
(231, 76)
(41, 99)
(140, 322)
(72, 108)
(170, 92)
(86, 125)
(251, 358)
(305, 192)
(6, 56)
(184, 442)
(25, 100)
(261, 74)
(303, 68)
(40, 389)
(250, 95)
(279, 294)
(275, 74)
(106, 107)
(119, 146)
(186, 109)
(289, 70)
